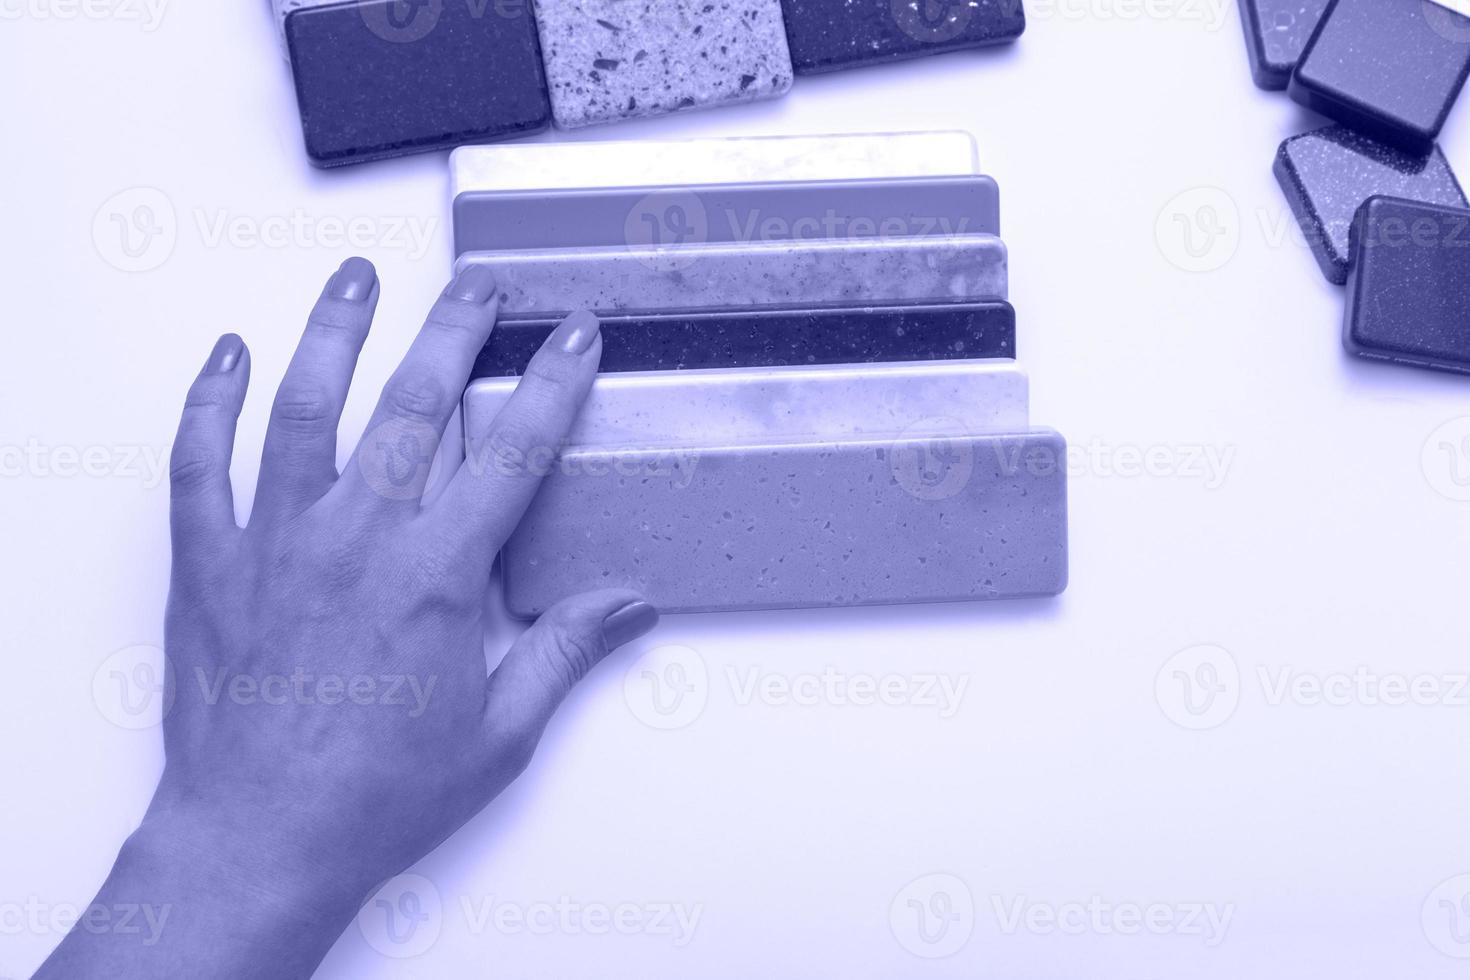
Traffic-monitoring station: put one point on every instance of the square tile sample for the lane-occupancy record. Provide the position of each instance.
(778, 405)
(1409, 294)
(828, 35)
(1389, 68)
(1276, 31)
(501, 220)
(375, 78)
(834, 524)
(771, 338)
(621, 59)
(1328, 174)
(734, 160)
(721, 276)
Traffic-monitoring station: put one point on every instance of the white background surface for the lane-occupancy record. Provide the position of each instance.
(1331, 542)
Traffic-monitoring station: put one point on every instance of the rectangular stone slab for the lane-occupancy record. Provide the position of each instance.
(1328, 174)
(692, 277)
(1276, 31)
(746, 213)
(1388, 68)
(828, 35)
(376, 80)
(1409, 293)
(732, 160)
(621, 59)
(781, 405)
(771, 338)
(836, 524)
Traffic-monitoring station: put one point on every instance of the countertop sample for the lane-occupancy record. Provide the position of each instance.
(1326, 176)
(771, 337)
(828, 35)
(1276, 32)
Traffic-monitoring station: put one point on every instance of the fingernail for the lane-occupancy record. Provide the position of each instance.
(354, 281)
(576, 333)
(226, 354)
(476, 284)
(628, 623)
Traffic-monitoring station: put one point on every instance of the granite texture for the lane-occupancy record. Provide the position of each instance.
(1389, 68)
(731, 160)
(1276, 31)
(813, 273)
(780, 405)
(373, 83)
(835, 524)
(762, 212)
(771, 338)
(828, 35)
(1328, 174)
(620, 59)
(1409, 293)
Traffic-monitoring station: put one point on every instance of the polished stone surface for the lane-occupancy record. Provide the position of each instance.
(1389, 68)
(810, 273)
(828, 35)
(770, 338)
(756, 212)
(1409, 294)
(730, 160)
(1276, 31)
(1328, 174)
(621, 59)
(371, 83)
(834, 524)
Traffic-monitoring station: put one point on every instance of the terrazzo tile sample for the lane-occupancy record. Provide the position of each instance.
(1328, 174)
(1276, 31)
(808, 273)
(771, 338)
(784, 211)
(734, 160)
(780, 405)
(621, 59)
(837, 524)
(1389, 68)
(371, 84)
(827, 35)
(1409, 294)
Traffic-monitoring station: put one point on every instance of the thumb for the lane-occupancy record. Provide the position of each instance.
(548, 660)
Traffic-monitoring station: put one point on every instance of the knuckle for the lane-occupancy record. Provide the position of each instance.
(552, 375)
(415, 397)
(302, 405)
(191, 467)
(457, 316)
(205, 397)
(570, 656)
(515, 747)
(515, 440)
(336, 317)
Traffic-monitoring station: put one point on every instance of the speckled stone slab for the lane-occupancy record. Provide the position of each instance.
(764, 212)
(827, 35)
(781, 405)
(813, 273)
(732, 160)
(1389, 68)
(375, 80)
(1328, 174)
(1409, 293)
(620, 59)
(836, 524)
(1276, 31)
(771, 338)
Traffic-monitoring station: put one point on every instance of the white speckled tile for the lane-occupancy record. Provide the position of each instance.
(620, 59)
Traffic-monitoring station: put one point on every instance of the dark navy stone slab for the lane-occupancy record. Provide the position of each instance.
(828, 35)
(1409, 294)
(773, 337)
(1276, 31)
(384, 78)
(1328, 174)
(1389, 68)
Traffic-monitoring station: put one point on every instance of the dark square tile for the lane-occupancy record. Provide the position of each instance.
(384, 78)
(1276, 31)
(828, 35)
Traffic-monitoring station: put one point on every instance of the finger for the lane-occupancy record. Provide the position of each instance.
(504, 463)
(202, 506)
(394, 458)
(299, 463)
(543, 666)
